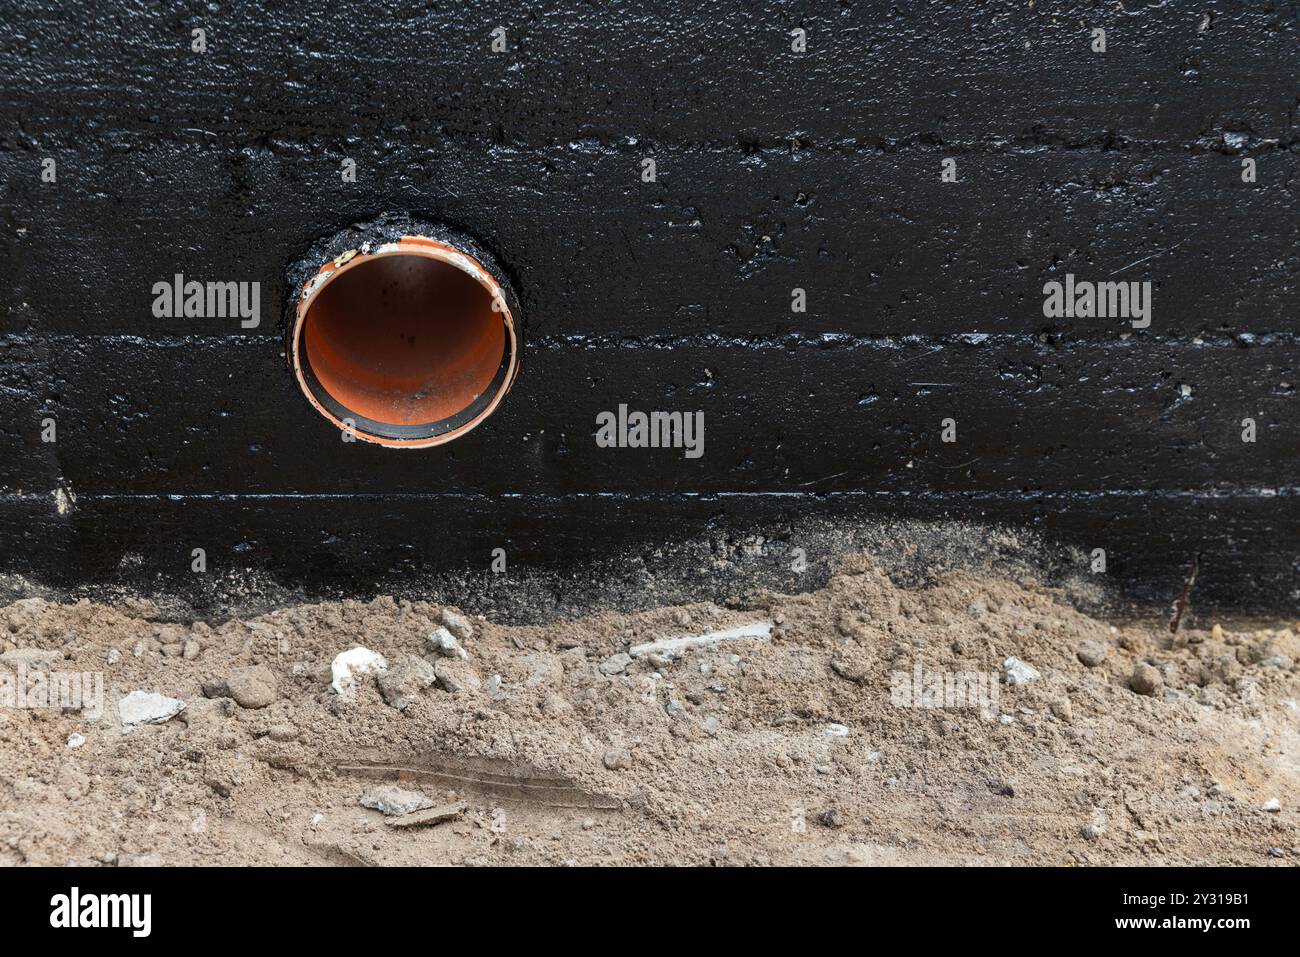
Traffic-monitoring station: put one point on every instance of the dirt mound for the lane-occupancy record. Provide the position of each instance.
(971, 721)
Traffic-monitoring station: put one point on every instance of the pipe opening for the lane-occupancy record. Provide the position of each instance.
(412, 345)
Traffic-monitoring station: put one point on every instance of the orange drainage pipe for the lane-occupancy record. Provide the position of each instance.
(407, 343)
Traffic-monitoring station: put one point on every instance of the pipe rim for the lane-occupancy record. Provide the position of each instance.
(391, 435)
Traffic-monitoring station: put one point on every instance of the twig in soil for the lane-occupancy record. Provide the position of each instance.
(506, 782)
(1180, 603)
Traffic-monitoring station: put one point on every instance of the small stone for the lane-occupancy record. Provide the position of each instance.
(712, 724)
(1272, 805)
(1063, 709)
(401, 684)
(618, 759)
(616, 664)
(1093, 832)
(252, 687)
(1276, 852)
(114, 656)
(1276, 661)
(1217, 632)
(190, 649)
(391, 800)
(444, 643)
(215, 688)
(1146, 680)
(76, 739)
(837, 730)
(457, 677)
(1092, 653)
(283, 732)
(831, 817)
(147, 707)
(1006, 719)
(173, 650)
(457, 624)
(1019, 673)
(495, 688)
(849, 669)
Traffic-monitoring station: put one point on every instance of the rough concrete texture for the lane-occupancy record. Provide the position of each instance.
(775, 170)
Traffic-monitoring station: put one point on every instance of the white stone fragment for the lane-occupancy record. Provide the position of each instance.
(457, 624)
(147, 707)
(392, 800)
(444, 643)
(615, 665)
(348, 667)
(1019, 673)
(755, 630)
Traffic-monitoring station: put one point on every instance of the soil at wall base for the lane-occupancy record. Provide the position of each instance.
(790, 750)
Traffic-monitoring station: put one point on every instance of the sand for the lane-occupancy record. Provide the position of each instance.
(543, 746)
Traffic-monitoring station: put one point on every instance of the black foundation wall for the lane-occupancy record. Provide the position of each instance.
(774, 170)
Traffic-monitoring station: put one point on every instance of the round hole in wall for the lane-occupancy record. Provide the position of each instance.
(408, 344)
